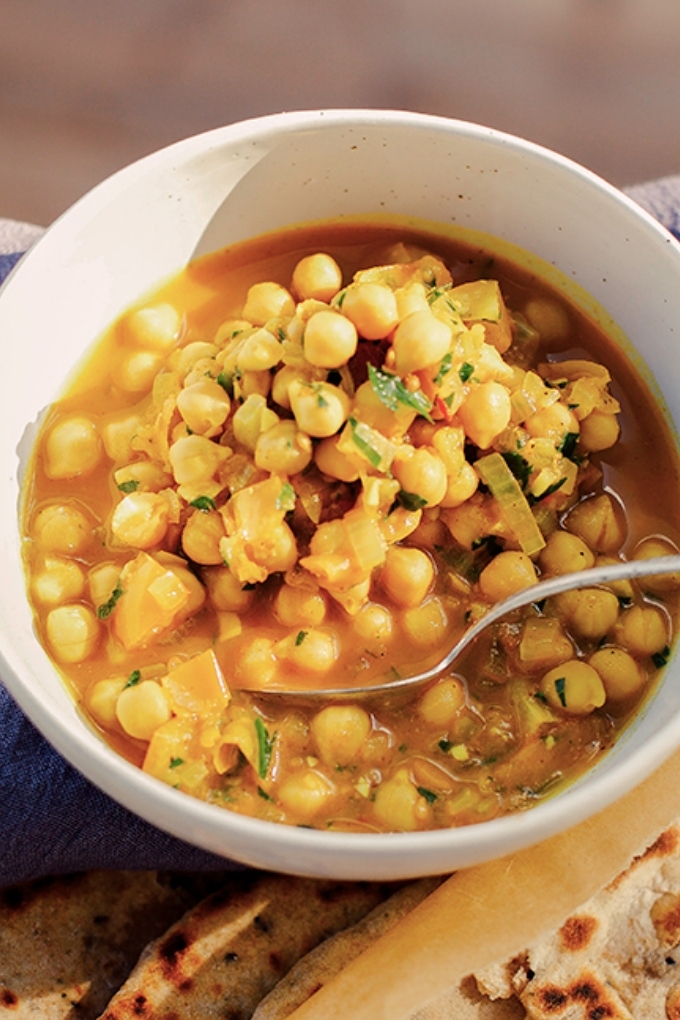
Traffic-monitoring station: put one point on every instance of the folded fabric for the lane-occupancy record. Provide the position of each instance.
(53, 820)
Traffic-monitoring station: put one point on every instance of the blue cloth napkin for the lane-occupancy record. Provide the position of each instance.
(53, 821)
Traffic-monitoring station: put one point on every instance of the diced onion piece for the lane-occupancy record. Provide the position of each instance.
(198, 684)
(504, 487)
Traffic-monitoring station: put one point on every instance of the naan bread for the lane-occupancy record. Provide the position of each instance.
(317, 967)
(616, 958)
(223, 956)
(67, 944)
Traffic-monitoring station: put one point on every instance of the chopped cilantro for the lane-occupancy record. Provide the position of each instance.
(203, 503)
(411, 500)
(263, 793)
(661, 658)
(174, 762)
(547, 492)
(519, 466)
(286, 497)
(226, 381)
(465, 371)
(134, 678)
(568, 445)
(370, 453)
(429, 795)
(391, 392)
(560, 684)
(131, 485)
(444, 369)
(265, 744)
(300, 637)
(107, 607)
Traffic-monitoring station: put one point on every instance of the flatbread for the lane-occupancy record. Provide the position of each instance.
(66, 944)
(224, 955)
(616, 958)
(317, 967)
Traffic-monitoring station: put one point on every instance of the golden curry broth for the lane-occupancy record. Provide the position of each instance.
(487, 743)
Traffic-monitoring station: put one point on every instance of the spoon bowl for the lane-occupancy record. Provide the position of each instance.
(602, 575)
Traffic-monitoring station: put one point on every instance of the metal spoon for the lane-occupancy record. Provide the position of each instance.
(535, 593)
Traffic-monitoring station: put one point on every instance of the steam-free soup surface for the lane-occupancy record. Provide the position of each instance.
(309, 461)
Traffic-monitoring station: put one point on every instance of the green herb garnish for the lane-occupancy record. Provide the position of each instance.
(265, 744)
(391, 392)
(204, 503)
(411, 500)
(519, 466)
(226, 381)
(372, 455)
(107, 607)
(175, 762)
(661, 658)
(465, 371)
(130, 486)
(444, 369)
(286, 497)
(429, 795)
(568, 445)
(559, 690)
(134, 678)
(300, 637)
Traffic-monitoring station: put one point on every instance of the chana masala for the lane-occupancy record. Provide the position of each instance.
(310, 460)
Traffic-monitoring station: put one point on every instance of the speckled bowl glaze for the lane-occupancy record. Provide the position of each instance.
(144, 223)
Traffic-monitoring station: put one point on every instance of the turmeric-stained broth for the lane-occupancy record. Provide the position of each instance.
(175, 557)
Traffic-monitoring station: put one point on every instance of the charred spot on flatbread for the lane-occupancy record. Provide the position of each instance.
(577, 932)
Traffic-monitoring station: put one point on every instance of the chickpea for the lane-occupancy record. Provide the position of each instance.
(281, 382)
(411, 298)
(300, 607)
(422, 473)
(650, 548)
(312, 651)
(619, 672)
(643, 630)
(574, 687)
(60, 528)
(136, 372)
(407, 575)
(72, 632)
(117, 435)
(283, 449)
(340, 732)
(425, 625)
(201, 537)
(374, 624)
(599, 431)
(565, 553)
(73, 447)
(265, 301)
(195, 459)
(320, 409)
(156, 326)
(507, 573)
(259, 383)
(420, 340)
(372, 307)
(58, 581)
(256, 663)
(141, 520)
(460, 486)
(399, 806)
(102, 698)
(259, 352)
(596, 521)
(485, 413)
(334, 462)
(280, 552)
(102, 580)
(316, 276)
(591, 612)
(142, 708)
(550, 319)
(552, 422)
(306, 794)
(441, 703)
(226, 592)
(251, 419)
(204, 406)
(329, 340)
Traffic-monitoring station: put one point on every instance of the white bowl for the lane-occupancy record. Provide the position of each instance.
(146, 222)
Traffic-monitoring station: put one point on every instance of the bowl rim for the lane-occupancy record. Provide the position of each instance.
(207, 825)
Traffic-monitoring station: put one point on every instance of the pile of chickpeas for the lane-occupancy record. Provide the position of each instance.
(295, 491)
